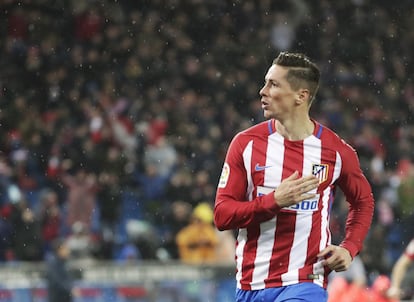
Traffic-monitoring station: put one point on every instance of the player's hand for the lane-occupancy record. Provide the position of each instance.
(394, 293)
(337, 258)
(294, 189)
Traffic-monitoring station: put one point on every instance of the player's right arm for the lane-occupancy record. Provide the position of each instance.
(232, 209)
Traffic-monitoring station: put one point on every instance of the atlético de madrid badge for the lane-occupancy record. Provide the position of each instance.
(320, 171)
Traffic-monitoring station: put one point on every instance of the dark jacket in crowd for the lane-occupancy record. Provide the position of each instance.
(59, 278)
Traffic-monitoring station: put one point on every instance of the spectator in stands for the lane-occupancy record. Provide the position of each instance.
(81, 195)
(177, 216)
(50, 217)
(128, 254)
(80, 242)
(399, 272)
(6, 232)
(58, 276)
(406, 202)
(143, 235)
(27, 237)
(197, 242)
(109, 201)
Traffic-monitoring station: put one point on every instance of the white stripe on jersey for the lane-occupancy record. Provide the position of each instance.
(247, 159)
(273, 175)
(264, 252)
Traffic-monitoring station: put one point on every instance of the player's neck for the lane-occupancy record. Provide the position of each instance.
(295, 130)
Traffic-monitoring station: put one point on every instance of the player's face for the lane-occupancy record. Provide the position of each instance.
(277, 96)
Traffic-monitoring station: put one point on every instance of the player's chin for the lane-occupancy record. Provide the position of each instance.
(267, 114)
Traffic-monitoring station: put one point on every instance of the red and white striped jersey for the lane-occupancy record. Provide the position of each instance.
(278, 246)
(409, 250)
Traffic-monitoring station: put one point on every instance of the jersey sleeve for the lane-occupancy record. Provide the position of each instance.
(232, 208)
(359, 195)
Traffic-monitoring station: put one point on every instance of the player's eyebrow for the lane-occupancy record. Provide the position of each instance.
(271, 80)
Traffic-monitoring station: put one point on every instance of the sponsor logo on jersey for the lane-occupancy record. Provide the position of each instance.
(224, 177)
(308, 205)
(320, 171)
(260, 168)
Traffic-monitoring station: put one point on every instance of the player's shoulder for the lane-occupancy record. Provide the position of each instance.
(335, 140)
(254, 133)
(264, 128)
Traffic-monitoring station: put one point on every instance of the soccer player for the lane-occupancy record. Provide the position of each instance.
(399, 271)
(277, 186)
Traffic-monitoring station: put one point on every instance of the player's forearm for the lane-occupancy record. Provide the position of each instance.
(357, 225)
(232, 214)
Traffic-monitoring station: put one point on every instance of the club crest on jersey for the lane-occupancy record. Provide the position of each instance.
(320, 171)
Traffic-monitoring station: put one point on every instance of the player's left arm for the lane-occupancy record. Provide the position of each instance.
(359, 195)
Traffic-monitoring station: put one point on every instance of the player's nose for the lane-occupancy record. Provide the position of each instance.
(263, 91)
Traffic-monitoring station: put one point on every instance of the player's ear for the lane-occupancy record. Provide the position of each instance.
(302, 96)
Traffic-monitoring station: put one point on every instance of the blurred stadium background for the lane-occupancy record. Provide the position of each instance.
(115, 115)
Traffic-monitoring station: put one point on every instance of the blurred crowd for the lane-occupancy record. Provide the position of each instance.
(115, 114)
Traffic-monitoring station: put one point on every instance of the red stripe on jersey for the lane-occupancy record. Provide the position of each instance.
(258, 159)
(285, 224)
